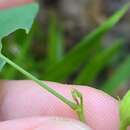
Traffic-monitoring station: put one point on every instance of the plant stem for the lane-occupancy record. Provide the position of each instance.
(81, 115)
(41, 83)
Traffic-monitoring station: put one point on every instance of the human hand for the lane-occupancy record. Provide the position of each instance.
(20, 99)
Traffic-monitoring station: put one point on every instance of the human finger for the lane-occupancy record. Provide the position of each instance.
(26, 99)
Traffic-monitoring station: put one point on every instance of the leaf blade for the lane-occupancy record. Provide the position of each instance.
(80, 52)
(91, 70)
(55, 41)
(120, 76)
(24, 16)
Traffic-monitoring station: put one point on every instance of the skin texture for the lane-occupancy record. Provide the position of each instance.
(22, 99)
(41, 123)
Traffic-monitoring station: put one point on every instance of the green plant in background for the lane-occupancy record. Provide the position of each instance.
(96, 64)
(55, 41)
(120, 76)
(60, 65)
(86, 60)
(79, 54)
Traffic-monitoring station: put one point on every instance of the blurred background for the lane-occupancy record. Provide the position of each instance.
(62, 45)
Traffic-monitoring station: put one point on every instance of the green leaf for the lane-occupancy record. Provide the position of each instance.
(12, 19)
(55, 41)
(92, 69)
(125, 112)
(82, 50)
(2, 63)
(17, 18)
(121, 75)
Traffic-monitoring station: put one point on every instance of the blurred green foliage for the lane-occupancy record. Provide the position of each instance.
(43, 53)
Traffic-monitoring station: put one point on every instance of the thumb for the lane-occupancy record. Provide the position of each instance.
(39, 123)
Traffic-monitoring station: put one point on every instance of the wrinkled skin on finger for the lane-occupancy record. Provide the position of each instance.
(39, 123)
(21, 99)
(11, 3)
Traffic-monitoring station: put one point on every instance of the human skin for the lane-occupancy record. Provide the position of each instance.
(20, 99)
(40, 123)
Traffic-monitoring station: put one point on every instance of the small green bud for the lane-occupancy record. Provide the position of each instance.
(77, 96)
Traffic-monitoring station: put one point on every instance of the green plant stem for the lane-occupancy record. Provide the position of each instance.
(81, 113)
(73, 105)
(41, 83)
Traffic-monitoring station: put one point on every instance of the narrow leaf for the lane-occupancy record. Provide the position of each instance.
(55, 41)
(92, 69)
(81, 51)
(121, 75)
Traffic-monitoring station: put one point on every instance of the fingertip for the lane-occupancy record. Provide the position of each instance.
(101, 110)
(40, 123)
(26, 98)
